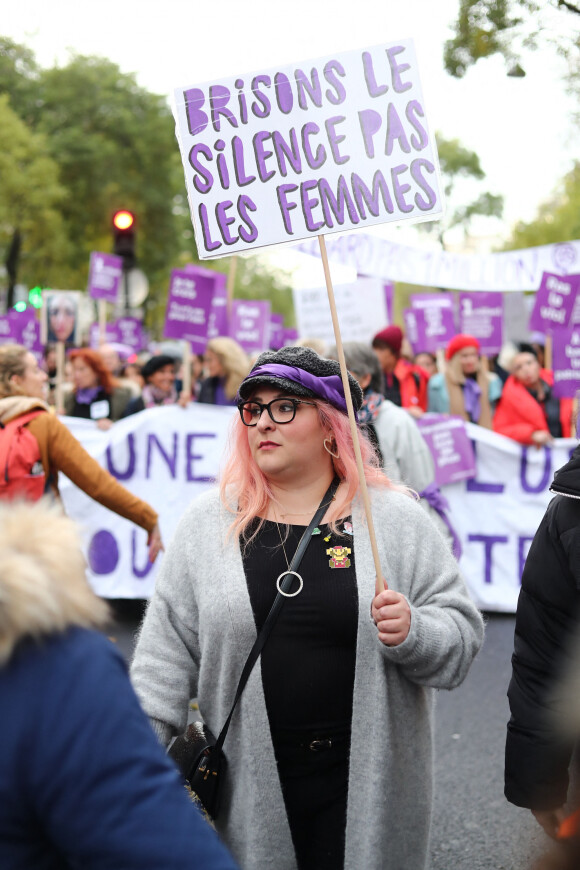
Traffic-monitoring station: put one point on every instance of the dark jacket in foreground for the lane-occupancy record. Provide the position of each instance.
(537, 758)
(84, 782)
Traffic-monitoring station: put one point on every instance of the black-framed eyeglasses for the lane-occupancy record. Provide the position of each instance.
(279, 410)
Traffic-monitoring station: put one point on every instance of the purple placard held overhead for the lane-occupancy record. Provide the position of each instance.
(566, 362)
(450, 447)
(30, 336)
(188, 308)
(111, 335)
(429, 329)
(218, 316)
(9, 330)
(481, 315)
(554, 302)
(130, 332)
(105, 272)
(431, 300)
(276, 331)
(250, 324)
(290, 336)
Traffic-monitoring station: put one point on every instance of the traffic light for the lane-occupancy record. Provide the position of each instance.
(124, 237)
(35, 297)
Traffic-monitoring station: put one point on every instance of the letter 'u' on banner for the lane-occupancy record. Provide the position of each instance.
(316, 147)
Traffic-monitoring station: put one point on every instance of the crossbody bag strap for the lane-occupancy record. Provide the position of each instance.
(285, 585)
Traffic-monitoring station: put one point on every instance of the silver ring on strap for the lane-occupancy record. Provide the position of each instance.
(289, 594)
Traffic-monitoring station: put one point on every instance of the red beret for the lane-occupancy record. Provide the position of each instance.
(392, 336)
(458, 342)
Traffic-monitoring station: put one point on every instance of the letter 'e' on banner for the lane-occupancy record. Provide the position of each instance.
(323, 146)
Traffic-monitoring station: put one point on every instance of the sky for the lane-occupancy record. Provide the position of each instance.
(520, 127)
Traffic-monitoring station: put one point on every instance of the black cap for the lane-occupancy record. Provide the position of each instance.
(301, 358)
(155, 363)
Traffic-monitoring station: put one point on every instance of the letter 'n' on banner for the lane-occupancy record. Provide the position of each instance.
(322, 146)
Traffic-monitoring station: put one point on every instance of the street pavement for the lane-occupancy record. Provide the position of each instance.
(474, 827)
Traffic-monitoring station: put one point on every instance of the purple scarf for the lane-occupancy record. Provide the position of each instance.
(472, 399)
(435, 499)
(328, 388)
(153, 396)
(87, 395)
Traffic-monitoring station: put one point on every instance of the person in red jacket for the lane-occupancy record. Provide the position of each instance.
(528, 411)
(405, 383)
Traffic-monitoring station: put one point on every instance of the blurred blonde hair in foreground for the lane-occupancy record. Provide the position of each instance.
(43, 587)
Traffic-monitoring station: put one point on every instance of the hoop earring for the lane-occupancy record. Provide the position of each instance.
(336, 455)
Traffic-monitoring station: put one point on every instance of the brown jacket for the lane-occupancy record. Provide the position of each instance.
(60, 451)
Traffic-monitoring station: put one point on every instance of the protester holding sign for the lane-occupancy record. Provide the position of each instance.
(528, 412)
(466, 389)
(405, 383)
(95, 395)
(51, 447)
(340, 711)
(226, 365)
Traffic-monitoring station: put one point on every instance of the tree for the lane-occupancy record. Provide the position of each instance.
(31, 201)
(507, 27)
(558, 219)
(458, 163)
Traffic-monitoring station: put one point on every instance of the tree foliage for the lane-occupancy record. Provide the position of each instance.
(459, 163)
(506, 27)
(108, 144)
(557, 220)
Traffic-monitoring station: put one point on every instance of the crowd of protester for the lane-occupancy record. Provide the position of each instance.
(428, 635)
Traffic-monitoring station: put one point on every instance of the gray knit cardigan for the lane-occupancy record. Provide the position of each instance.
(197, 633)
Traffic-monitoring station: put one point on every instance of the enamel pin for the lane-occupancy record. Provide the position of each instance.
(339, 557)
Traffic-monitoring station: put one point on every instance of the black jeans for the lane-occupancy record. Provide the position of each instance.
(315, 788)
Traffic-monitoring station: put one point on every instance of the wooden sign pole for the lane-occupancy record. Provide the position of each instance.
(381, 583)
(186, 366)
(102, 306)
(231, 282)
(58, 389)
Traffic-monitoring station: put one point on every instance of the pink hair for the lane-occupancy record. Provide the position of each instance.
(242, 481)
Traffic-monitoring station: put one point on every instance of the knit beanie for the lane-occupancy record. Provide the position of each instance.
(307, 360)
(459, 342)
(392, 336)
(155, 363)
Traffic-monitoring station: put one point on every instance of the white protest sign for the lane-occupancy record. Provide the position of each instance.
(322, 146)
(362, 310)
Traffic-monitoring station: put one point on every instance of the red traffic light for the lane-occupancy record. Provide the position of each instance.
(123, 220)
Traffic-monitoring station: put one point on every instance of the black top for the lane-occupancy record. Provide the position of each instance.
(392, 388)
(308, 662)
(551, 407)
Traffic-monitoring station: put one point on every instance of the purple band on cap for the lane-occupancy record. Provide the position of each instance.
(328, 388)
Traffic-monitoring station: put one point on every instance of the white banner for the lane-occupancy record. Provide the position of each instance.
(167, 456)
(360, 306)
(510, 270)
(315, 147)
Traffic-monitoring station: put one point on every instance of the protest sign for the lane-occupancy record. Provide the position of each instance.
(250, 324)
(9, 330)
(322, 146)
(60, 316)
(30, 334)
(105, 273)
(362, 310)
(188, 307)
(431, 300)
(290, 336)
(131, 333)
(450, 446)
(481, 315)
(554, 301)
(566, 362)
(99, 336)
(431, 325)
(389, 299)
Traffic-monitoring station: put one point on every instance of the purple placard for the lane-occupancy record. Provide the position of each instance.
(250, 324)
(105, 272)
(429, 329)
(431, 300)
(30, 335)
(554, 302)
(566, 362)
(290, 336)
(12, 324)
(188, 307)
(481, 315)
(450, 447)
(218, 316)
(130, 332)
(111, 335)
(276, 331)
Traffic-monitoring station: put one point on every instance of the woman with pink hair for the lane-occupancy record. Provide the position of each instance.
(329, 749)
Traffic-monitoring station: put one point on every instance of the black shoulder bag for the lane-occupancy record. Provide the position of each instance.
(197, 753)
